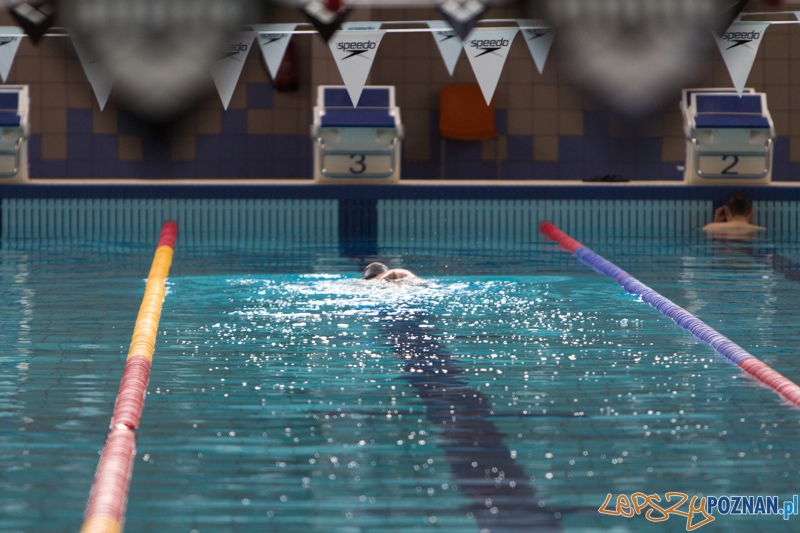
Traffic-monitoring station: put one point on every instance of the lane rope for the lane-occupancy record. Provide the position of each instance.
(105, 510)
(723, 345)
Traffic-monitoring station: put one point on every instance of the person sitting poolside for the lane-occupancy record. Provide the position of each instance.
(379, 271)
(735, 217)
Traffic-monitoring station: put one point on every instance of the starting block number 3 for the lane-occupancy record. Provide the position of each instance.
(345, 165)
(733, 165)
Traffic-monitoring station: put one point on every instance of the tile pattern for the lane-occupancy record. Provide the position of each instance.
(549, 128)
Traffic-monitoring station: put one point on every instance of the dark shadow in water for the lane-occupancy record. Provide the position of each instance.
(500, 495)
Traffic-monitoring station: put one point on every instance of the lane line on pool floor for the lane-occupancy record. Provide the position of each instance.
(105, 510)
(726, 347)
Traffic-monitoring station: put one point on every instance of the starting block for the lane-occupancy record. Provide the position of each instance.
(356, 144)
(729, 139)
(14, 132)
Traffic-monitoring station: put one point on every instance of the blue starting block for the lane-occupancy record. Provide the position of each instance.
(14, 131)
(729, 139)
(357, 144)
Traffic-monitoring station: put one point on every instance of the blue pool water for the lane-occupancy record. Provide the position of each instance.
(511, 394)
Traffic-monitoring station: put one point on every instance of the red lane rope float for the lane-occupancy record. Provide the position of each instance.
(105, 511)
(732, 351)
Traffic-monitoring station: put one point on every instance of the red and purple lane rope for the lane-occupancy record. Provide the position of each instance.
(105, 511)
(729, 349)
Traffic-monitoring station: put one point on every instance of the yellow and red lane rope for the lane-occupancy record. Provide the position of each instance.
(105, 511)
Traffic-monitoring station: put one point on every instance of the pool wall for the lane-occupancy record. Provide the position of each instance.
(433, 215)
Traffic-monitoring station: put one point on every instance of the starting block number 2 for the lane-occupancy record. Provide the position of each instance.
(733, 165)
(354, 165)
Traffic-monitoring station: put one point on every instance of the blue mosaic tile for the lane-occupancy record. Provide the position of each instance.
(781, 171)
(592, 169)
(670, 172)
(234, 121)
(105, 168)
(625, 169)
(233, 147)
(128, 124)
(259, 96)
(501, 121)
(595, 149)
(520, 148)
(209, 168)
(545, 170)
(80, 169)
(130, 169)
(182, 169)
(570, 148)
(234, 168)
(595, 124)
(259, 147)
(463, 150)
(52, 169)
(781, 150)
(156, 148)
(517, 170)
(207, 147)
(287, 146)
(79, 121)
(570, 170)
(35, 147)
(649, 171)
(105, 146)
(79, 146)
(284, 168)
(258, 168)
(156, 170)
(648, 150)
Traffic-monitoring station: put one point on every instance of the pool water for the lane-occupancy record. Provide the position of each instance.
(512, 393)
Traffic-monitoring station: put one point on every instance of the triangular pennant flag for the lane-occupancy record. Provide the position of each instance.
(487, 50)
(35, 21)
(462, 15)
(739, 45)
(228, 68)
(797, 15)
(273, 40)
(539, 38)
(448, 42)
(354, 52)
(99, 78)
(326, 16)
(9, 42)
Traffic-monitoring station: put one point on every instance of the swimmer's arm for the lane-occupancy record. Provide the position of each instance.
(397, 273)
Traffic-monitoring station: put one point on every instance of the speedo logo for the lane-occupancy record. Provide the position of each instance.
(356, 47)
(740, 37)
(269, 38)
(535, 33)
(233, 50)
(445, 35)
(6, 40)
(489, 45)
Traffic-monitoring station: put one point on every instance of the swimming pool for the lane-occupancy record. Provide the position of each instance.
(512, 394)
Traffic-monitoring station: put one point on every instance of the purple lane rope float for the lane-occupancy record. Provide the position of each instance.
(726, 347)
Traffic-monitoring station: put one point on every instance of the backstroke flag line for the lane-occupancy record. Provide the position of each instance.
(448, 42)
(487, 50)
(539, 38)
(273, 39)
(99, 79)
(228, 68)
(739, 45)
(354, 48)
(9, 42)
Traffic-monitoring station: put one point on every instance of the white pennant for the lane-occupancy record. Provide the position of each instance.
(739, 45)
(354, 51)
(228, 68)
(99, 78)
(448, 42)
(273, 40)
(539, 38)
(9, 42)
(487, 50)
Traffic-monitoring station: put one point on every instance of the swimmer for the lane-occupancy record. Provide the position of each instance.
(734, 218)
(379, 271)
